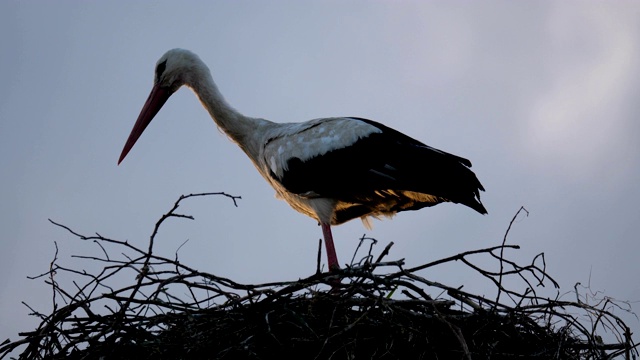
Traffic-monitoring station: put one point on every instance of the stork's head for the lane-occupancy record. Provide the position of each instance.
(178, 67)
(175, 68)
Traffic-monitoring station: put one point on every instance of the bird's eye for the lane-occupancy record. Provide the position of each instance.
(160, 69)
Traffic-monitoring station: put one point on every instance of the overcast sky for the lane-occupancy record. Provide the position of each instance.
(542, 97)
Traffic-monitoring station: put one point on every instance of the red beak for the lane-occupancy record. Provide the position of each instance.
(156, 99)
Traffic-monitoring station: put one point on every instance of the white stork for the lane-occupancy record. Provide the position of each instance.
(333, 169)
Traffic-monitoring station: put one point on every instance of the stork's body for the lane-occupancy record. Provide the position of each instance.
(331, 169)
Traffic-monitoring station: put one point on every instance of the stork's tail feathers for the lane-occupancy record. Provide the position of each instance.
(469, 187)
(475, 204)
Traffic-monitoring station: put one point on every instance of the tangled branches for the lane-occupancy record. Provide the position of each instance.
(372, 309)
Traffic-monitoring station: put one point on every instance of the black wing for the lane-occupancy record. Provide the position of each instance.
(375, 173)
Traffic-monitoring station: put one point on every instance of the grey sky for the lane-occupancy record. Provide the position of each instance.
(542, 97)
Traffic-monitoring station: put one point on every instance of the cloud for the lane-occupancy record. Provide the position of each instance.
(578, 119)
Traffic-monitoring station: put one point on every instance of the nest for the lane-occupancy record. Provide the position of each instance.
(372, 309)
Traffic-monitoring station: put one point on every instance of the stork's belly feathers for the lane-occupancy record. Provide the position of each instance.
(335, 211)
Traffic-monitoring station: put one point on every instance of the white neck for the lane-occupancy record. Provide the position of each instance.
(238, 127)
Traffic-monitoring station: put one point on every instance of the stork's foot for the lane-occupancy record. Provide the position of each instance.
(334, 279)
(333, 268)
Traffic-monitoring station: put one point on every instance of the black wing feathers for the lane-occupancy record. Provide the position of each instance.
(375, 170)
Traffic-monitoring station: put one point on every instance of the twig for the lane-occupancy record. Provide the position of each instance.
(501, 257)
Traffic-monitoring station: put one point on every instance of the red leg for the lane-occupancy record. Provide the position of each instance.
(332, 258)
